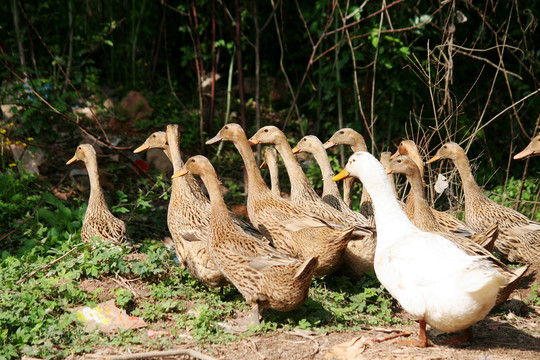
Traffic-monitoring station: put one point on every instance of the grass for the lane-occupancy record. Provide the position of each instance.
(35, 316)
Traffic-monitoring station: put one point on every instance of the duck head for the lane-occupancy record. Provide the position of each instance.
(83, 152)
(268, 135)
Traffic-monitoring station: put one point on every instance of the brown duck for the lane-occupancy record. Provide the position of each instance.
(270, 160)
(188, 217)
(265, 277)
(447, 221)
(519, 237)
(98, 220)
(302, 193)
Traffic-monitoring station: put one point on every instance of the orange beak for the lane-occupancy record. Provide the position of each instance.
(342, 175)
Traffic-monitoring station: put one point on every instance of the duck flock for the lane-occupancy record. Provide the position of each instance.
(441, 270)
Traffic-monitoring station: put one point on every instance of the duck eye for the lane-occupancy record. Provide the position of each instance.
(444, 146)
(342, 132)
(399, 161)
(226, 127)
(265, 130)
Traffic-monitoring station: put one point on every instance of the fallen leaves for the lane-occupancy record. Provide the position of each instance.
(349, 350)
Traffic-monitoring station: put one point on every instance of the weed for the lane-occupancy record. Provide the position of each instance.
(508, 196)
(534, 295)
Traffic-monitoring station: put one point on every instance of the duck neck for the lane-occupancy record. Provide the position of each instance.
(393, 184)
(97, 199)
(388, 212)
(174, 152)
(417, 159)
(255, 180)
(274, 176)
(423, 216)
(167, 153)
(470, 186)
(329, 186)
(358, 143)
(300, 185)
(219, 208)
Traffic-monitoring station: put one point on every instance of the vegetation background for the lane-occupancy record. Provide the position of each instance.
(430, 71)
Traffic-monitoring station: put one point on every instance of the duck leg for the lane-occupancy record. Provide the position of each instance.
(256, 314)
(460, 339)
(422, 337)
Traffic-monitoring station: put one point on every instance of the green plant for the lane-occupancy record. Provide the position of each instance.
(528, 205)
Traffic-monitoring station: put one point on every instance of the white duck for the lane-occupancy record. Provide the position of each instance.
(432, 279)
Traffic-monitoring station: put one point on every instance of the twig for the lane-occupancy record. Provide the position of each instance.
(281, 65)
(404, 333)
(505, 110)
(253, 347)
(124, 283)
(372, 105)
(317, 346)
(456, 49)
(151, 354)
(363, 19)
(47, 265)
(310, 64)
(61, 70)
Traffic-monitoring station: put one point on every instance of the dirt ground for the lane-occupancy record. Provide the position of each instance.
(494, 338)
(507, 336)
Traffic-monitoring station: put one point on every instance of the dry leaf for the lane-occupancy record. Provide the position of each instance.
(349, 350)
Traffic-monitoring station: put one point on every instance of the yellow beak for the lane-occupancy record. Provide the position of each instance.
(388, 171)
(72, 160)
(296, 150)
(342, 175)
(141, 148)
(395, 155)
(435, 158)
(182, 172)
(263, 165)
(253, 142)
